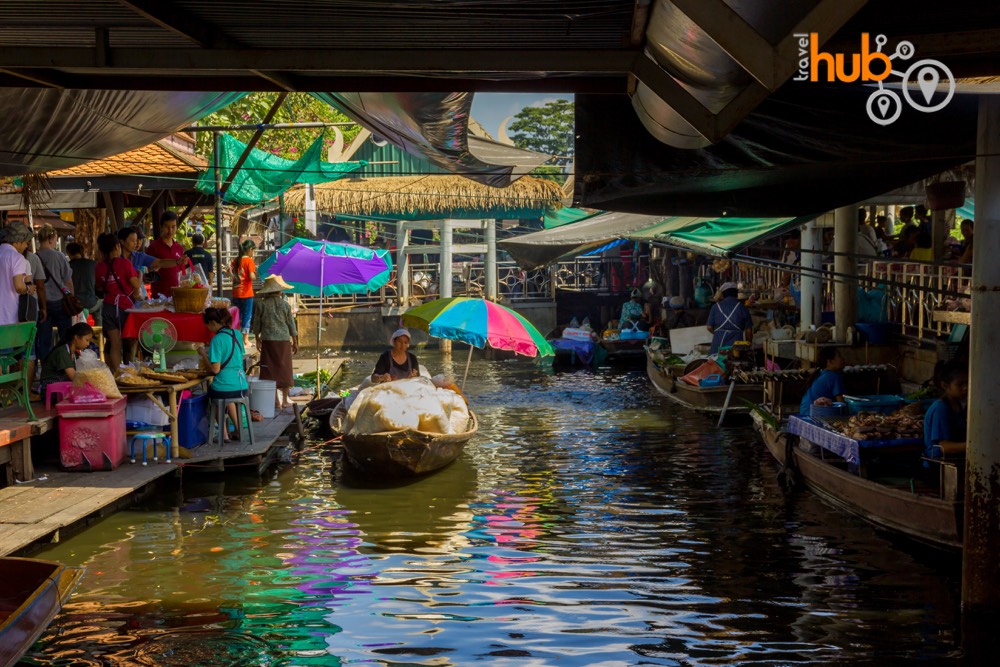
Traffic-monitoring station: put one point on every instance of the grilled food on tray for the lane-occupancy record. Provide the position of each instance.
(162, 376)
(133, 380)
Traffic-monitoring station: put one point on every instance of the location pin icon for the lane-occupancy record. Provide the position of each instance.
(927, 79)
(883, 105)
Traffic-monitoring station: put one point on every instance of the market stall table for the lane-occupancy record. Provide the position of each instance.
(851, 450)
(190, 326)
(170, 410)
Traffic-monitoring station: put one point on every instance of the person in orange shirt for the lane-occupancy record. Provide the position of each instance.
(167, 248)
(244, 272)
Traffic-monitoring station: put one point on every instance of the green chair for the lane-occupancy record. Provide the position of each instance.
(15, 344)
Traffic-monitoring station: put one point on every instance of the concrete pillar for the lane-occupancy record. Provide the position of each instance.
(980, 574)
(845, 286)
(491, 260)
(402, 264)
(445, 279)
(939, 233)
(812, 283)
(310, 208)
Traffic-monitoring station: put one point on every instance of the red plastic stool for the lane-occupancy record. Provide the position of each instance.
(60, 388)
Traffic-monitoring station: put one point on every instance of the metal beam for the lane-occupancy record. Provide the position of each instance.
(471, 63)
(640, 19)
(179, 21)
(287, 82)
(673, 93)
(43, 77)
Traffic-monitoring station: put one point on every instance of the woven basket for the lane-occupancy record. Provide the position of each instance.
(189, 299)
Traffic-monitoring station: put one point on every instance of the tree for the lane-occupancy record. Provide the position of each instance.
(289, 144)
(547, 129)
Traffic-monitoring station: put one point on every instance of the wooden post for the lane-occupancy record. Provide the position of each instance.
(980, 574)
(444, 287)
(402, 264)
(491, 260)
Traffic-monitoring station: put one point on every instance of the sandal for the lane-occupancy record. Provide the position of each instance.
(256, 416)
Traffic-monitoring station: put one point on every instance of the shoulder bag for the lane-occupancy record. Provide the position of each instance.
(71, 304)
(27, 308)
(123, 301)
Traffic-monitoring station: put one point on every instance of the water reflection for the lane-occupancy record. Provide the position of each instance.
(589, 524)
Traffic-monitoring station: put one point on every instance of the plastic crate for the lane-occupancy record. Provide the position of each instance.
(142, 409)
(823, 411)
(881, 403)
(192, 421)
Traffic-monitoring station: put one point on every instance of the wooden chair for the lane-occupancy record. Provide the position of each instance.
(15, 344)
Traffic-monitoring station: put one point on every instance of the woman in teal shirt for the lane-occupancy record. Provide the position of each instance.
(225, 358)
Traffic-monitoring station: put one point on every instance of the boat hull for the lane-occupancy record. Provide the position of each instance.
(625, 351)
(404, 453)
(710, 399)
(31, 594)
(933, 521)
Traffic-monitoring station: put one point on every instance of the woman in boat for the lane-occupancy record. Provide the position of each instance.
(729, 320)
(945, 422)
(60, 364)
(277, 337)
(633, 314)
(827, 382)
(398, 363)
(224, 357)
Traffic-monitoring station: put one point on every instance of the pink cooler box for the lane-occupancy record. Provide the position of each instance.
(92, 435)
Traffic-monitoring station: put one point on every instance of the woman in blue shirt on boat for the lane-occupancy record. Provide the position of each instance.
(825, 383)
(729, 320)
(945, 421)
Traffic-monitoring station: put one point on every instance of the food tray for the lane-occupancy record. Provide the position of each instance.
(155, 309)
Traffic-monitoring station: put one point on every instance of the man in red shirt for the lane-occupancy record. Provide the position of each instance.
(167, 248)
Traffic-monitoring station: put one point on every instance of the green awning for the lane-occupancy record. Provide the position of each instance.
(567, 215)
(264, 176)
(715, 236)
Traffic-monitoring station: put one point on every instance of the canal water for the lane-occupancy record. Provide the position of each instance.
(589, 523)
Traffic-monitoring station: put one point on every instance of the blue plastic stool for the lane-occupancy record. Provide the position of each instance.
(145, 437)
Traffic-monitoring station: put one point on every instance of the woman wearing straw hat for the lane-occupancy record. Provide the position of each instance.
(277, 336)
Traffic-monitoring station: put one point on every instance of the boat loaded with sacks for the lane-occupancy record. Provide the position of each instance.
(404, 427)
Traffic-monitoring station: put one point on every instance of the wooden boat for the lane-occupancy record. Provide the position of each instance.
(566, 356)
(31, 594)
(702, 399)
(625, 351)
(903, 504)
(402, 453)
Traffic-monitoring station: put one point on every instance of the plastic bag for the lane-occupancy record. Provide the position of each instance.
(710, 367)
(86, 393)
(89, 368)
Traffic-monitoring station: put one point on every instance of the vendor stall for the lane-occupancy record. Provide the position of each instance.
(824, 433)
(154, 392)
(190, 327)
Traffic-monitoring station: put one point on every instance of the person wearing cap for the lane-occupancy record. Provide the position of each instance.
(632, 311)
(398, 363)
(277, 336)
(729, 320)
(15, 272)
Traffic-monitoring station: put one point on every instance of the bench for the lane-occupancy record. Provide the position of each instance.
(15, 449)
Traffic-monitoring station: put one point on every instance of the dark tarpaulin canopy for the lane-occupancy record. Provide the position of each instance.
(544, 247)
(435, 127)
(809, 148)
(47, 129)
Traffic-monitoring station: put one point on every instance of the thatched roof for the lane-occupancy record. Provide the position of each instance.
(429, 196)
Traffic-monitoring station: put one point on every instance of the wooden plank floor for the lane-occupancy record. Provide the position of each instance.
(40, 510)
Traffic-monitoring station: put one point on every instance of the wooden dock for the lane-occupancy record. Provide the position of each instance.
(42, 511)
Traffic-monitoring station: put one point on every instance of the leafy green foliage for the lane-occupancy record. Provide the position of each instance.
(546, 129)
(289, 144)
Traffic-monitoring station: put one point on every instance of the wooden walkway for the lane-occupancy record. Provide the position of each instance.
(43, 511)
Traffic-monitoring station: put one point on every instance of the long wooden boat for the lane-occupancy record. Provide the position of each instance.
(702, 399)
(31, 594)
(625, 351)
(402, 453)
(901, 504)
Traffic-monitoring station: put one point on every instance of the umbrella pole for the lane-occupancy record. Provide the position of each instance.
(319, 324)
(468, 363)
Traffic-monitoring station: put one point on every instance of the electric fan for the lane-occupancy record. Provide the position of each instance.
(158, 336)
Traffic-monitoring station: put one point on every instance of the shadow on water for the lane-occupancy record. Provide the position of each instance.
(589, 523)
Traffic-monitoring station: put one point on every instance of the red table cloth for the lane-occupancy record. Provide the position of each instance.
(190, 327)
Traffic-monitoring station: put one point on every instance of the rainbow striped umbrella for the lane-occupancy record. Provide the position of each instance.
(479, 323)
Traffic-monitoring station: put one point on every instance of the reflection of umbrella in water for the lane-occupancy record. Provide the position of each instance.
(414, 515)
(479, 323)
(321, 268)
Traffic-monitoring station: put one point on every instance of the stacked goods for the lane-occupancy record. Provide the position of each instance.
(131, 378)
(905, 423)
(162, 377)
(91, 369)
(406, 405)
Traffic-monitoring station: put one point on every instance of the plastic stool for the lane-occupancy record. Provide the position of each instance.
(61, 388)
(153, 436)
(218, 416)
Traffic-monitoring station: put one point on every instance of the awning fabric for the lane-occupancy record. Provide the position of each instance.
(264, 176)
(435, 127)
(715, 236)
(567, 215)
(47, 129)
(549, 245)
(968, 210)
(809, 148)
